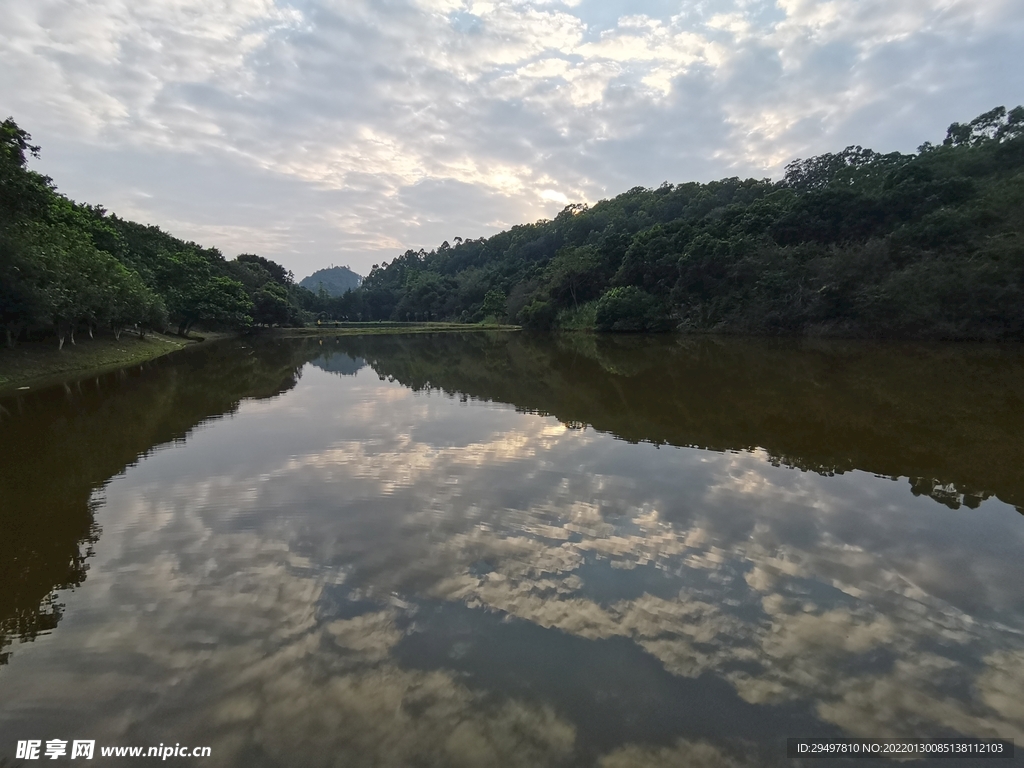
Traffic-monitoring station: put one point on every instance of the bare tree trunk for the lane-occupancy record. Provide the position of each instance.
(72, 333)
(117, 333)
(90, 331)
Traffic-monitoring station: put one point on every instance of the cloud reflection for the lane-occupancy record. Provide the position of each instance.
(259, 603)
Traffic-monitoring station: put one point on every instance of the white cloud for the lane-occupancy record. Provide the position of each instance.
(527, 104)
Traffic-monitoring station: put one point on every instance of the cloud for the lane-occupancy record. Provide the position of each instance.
(528, 104)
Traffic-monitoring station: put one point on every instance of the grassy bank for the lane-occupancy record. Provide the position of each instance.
(35, 364)
(31, 365)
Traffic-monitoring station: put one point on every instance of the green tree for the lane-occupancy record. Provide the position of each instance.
(630, 309)
(494, 304)
(270, 305)
(574, 271)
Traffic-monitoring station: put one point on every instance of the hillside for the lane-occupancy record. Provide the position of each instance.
(852, 243)
(68, 268)
(334, 281)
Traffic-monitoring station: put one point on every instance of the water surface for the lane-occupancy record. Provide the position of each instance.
(486, 549)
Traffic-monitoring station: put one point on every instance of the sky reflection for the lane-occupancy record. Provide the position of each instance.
(357, 573)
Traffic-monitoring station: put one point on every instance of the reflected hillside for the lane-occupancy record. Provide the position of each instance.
(339, 363)
(948, 417)
(58, 447)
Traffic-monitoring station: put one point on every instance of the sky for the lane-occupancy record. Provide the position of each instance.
(318, 132)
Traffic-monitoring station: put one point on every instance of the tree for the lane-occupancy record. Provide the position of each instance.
(270, 305)
(494, 304)
(996, 125)
(22, 192)
(195, 295)
(133, 303)
(573, 270)
(630, 309)
(275, 271)
(855, 166)
(22, 299)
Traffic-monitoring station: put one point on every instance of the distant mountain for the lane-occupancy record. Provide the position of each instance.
(335, 280)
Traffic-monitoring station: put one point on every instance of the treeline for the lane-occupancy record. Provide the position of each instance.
(67, 268)
(854, 243)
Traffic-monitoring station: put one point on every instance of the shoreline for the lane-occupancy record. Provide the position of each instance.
(34, 365)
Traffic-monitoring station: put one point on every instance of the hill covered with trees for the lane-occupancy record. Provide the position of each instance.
(67, 267)
(852, 243)
(331, 282)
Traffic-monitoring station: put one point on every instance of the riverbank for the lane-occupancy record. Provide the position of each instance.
(31, 365)
(35, 364)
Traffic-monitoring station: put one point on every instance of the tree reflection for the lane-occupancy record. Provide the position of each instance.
(59, 447)
(948, 417)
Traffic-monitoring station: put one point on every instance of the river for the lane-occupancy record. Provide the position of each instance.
(488, 549)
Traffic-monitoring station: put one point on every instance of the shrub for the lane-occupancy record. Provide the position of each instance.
(581, 319)
(630, 309)
(538, 315)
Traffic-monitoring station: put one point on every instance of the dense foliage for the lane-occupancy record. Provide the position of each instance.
(851, 243)
(66, 267)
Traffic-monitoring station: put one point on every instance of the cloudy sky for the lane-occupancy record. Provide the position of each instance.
(345, 131)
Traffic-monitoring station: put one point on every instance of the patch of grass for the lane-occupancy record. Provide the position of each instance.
(35, 364)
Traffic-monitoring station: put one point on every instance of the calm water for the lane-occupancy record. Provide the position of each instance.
(485, 550)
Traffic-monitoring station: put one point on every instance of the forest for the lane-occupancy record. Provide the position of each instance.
(68, 268)
(854, 244)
